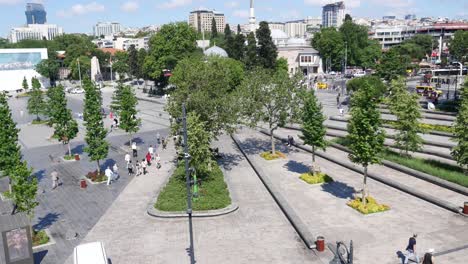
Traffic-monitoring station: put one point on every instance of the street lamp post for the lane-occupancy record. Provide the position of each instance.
(346, 57)
(110, 62)
(79, 72)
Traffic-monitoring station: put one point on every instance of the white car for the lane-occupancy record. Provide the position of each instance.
(77, 91)
(360, 74)
(90, 253)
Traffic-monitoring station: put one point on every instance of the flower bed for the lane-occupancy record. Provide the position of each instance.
(95, 177)
(269, 156)
(40, 238)
(371, 207)
(315, 178)
(69, 157)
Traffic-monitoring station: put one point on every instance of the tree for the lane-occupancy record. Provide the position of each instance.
(251, 58)
(9, 150)
(371, 54)
(98, 147)
(49, 68)
(313, 130)
(392, 65)
(36, 103)
(128, 120)
(199, 140)
(227, 31)
(329, 42)
(228, 40)
(365, 134)
(459, 46)
(238, 49)
(83, 69)
(25, 84)
(171, 44)
(405, 107)
(267, 52)
(214, 29)
(282, 64)
(141, 61)
(133, 61)
(23, 188)
(356, 38)
(117, 99)
(120, 64)
(377, 86)
(269, 96)
(460, 151)
(239, 30)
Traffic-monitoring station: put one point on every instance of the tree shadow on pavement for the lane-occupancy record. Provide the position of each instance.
(253, 146)
(40, 174)
(77, 149)
(137, 140)
(339, 189)
(108, 163)
(46, 221)
(297, 167)
(39, 256)
(229, 160)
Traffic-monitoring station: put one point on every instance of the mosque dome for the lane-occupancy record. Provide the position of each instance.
(297, 42)
(216, 51)
(278, 34)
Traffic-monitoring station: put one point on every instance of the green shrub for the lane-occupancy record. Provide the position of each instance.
(423, 126)
(269, 156)
(448, 106)
(39, 122)
(39, 238)
(371, 207)
(315, 178)
(213, 192)
(68, 157)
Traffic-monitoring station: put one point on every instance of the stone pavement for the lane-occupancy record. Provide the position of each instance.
(256, 233)
(377, 238)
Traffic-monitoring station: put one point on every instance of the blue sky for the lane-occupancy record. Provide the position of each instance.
(80, 15)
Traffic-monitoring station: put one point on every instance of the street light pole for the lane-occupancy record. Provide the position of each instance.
(79, 72)
(346, 57)
(188, 182)
(110, 62)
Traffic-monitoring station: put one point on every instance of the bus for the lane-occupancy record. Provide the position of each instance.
(448, 72)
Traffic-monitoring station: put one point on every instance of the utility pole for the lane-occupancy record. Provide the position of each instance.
(110, 62)
(189, 183)
(346, 57)
(79, 72)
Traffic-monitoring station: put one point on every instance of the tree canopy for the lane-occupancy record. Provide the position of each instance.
(460, 151)
(329, 42)
(266, 51)
(392, 65)
(459, 46)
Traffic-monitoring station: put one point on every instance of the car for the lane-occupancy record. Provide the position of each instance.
(360, 74)
(332, 73)
(322, 85)
(90, 253)
(77, 91)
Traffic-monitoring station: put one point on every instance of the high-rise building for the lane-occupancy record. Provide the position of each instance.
(333, 15)
(35, 14)
(35, 31)
(295, 29)
(106, 28)
(201, 20)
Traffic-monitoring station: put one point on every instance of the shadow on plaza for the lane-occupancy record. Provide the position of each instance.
(255, 146)
(40, 174)
(108, 163)
(297, 167)
(339, 189)
(39, 256)
(228, 160)
(46, 221)
(137, 140)
(79, 149)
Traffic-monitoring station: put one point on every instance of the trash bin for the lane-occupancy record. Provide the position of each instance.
(83, 184)
(320, 243)
(465, 208)
(77, 157)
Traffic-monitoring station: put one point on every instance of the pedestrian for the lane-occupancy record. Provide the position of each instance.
(429, 257)
(21, 113)
(164, 143)
(134, 150)
(138, 168)
(341, 111)
(148, 159)
(143, 166)
(411, 249)
(108, 173)
(338, 99)
(151, 151)
(55, 179)
(158, 138)
(115, 170)
(158, 161)
(128, 159)
(130, 168)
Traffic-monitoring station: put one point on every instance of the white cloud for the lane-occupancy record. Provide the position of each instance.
(231, 4)
(175, 3)
(241, 13)
(129, 6)
(10, 2)
(82, 9)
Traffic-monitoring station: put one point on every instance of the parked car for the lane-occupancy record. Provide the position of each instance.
(90, 253)
(77, 91)
(360, 74)
(322, 85)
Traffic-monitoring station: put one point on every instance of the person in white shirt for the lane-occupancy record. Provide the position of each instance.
(134, 149)
(127, 158)
(108, 173)
(158, 161)
(151, 151)
(143, 166)
(115, 171)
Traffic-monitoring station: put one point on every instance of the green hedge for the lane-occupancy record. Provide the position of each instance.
(213, 192)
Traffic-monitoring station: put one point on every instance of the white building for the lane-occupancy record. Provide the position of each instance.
(333, 15)
(106, 28)
(295, 29)
(16, 64)
(104, 43)
(201, 20)
(35, 31)
(125, 43)
(301, 57)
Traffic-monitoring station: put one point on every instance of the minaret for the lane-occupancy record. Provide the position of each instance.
(252, 20)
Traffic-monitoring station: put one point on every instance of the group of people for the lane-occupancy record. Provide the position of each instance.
(411, 252)
(140, 167)
(112, 174)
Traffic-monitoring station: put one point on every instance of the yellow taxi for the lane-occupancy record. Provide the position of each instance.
(322, 85)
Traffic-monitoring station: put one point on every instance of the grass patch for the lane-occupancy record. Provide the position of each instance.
(69, 157)
(440, 128)
(370, 208)
(39, 122)
(94, 176)
(315, 178)
(212, 193)
(39, 238)
(435, 168)
(269, 156)
(6, 194)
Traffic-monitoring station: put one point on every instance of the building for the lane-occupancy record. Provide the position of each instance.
(35, 31)
(295, 29)
(387, 18)
(333, 15)
(201, 20)
(104, 43)
(301, 57)
(125, 43)
(106, 29)
(16, 64)
(277, 25)
(216, 51)
(410, 17)
(35, 14)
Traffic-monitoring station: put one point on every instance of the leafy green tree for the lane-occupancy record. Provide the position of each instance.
(371, 54)
(460, 151)
(414, 51)
(282, 64)
(133, 61)
(313, 130)
(117, 99)
(392, 65)
(199, 140)
(128, 120)
(9, 149)
(84, 67)
(23, 188)
(267, 52)
(239, 30)
(141, 61)
(423, 41)
(208, 89)
(251, 56)
(36, 103)
(269, 96)
(365, 133)
(172, 43)
(356, 38)
(377, 86)
(25, 84)
(98, 147)
(120, 64)
(459, 46)
(238, 49)
(214, 29)
(329, 42)
(228, 40)
(48, 68)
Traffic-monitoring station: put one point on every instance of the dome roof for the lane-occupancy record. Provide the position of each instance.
(216, 51)
(278, 34)
(297, 42)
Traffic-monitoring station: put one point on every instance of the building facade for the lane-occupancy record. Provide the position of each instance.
(35, 31)
(201, 20)
(333, 15)
(301, 58)
(35, 14)
(125, 43)
(107, 29)
(295, 29)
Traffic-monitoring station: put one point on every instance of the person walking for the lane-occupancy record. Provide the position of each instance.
(338, 99)
(158, 161)
(138, 168)
(130, 168)
(164, 143)
(411, 249)
(115, 171)
(55, 179)
(108, 173)
(151, 151)
(128, 159)
(429, 257)
(134, 150)
(148, 158)
(158, 138)
(143, 166)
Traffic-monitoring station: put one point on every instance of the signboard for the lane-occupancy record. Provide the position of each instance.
(17, 244)
(19, 60)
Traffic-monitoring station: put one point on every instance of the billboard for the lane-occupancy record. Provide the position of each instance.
(19, 61)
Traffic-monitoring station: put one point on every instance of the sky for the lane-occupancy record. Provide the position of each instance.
(80, 15)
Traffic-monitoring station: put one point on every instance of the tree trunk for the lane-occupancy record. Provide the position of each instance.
(37, 117)
(364, 188)
(130, 141)
(69, 149)
(313, 154)
(98, 167)
(273, 151)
